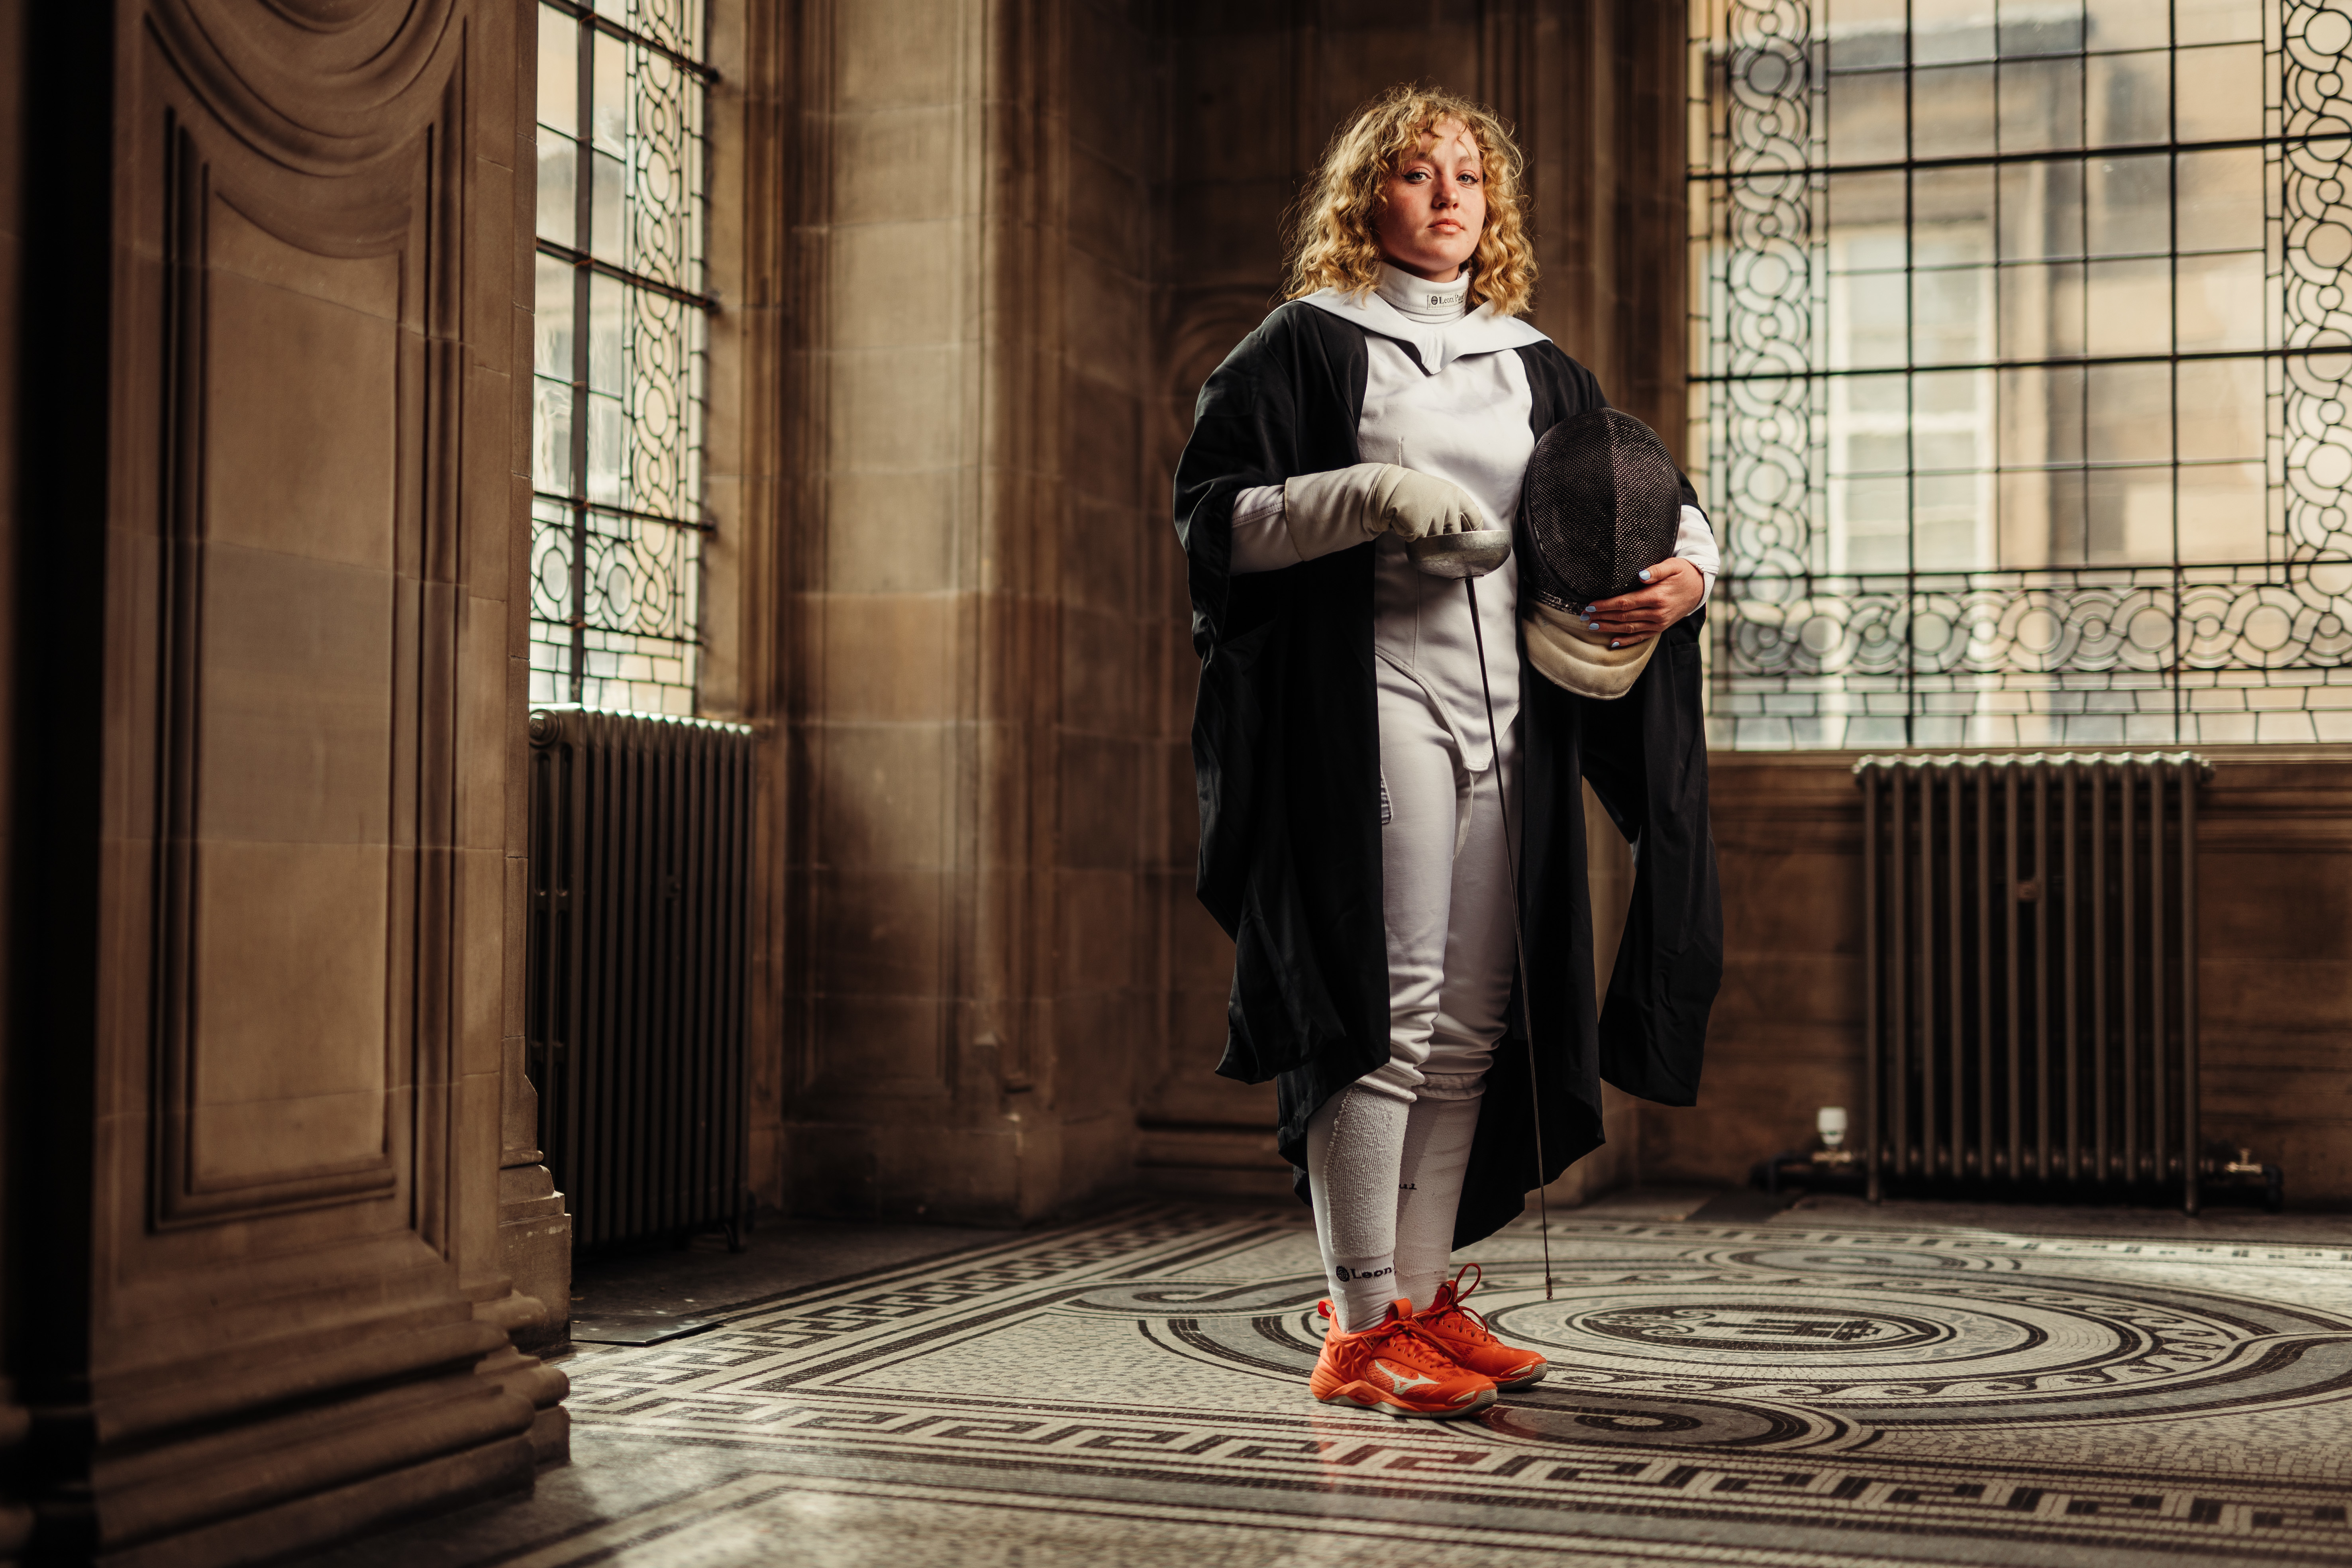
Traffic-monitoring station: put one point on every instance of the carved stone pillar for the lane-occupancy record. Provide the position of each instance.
(271, 348)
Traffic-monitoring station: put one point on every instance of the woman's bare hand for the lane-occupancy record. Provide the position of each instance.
(1675, 587)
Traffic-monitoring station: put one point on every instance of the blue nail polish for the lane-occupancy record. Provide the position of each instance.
(1645, 574)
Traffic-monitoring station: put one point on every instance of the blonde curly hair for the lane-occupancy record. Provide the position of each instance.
(1333, 242)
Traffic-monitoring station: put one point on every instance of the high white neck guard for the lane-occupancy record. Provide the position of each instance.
(1435, 341)
(1419, 299)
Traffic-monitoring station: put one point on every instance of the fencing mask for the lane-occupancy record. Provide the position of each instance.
(1602, 501)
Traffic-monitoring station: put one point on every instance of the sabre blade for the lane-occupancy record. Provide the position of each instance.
(1518, 940)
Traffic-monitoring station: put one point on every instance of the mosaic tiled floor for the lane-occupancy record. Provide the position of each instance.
(1132, 1391)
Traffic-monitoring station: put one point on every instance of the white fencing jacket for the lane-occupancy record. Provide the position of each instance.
(1444, 396)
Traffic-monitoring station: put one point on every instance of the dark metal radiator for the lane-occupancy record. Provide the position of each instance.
(2031, 972)
(640, 883)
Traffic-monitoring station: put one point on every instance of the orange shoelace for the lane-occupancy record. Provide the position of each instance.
(1404, 1339)
(1456, 1315)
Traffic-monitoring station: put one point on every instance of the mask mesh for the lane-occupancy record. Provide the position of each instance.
(1601, 501)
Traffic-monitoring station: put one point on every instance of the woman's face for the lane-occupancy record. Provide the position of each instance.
(1435, 204)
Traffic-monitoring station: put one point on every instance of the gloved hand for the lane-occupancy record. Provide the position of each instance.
(1334, 509)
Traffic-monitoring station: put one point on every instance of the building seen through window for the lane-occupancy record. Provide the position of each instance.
(2020, 349)
(616, 426)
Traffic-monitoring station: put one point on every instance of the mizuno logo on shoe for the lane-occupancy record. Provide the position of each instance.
(1400, 1381)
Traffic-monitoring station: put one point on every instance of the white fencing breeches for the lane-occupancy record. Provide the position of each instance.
(1385, 1157)
(1445, 899)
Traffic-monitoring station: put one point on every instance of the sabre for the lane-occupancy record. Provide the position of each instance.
(1470, 556)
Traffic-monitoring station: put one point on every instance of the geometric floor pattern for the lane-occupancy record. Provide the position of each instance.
(1131, 1390)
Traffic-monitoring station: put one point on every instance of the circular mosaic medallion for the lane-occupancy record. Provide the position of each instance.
(1762, 1328)
(1802, 1347)
(1925, 1346)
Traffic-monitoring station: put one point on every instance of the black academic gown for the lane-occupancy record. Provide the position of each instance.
(1285, 749)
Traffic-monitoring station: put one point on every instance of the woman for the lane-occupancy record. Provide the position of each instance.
(1353, 840)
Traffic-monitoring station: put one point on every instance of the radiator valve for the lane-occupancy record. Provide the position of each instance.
(2235, 1171)
(1829, 1123)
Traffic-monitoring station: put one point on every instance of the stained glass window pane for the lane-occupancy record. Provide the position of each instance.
(2038, 436)
(619, 354)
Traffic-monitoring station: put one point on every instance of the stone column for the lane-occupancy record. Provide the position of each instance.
(534, 1231)
(969, 961)
(272, 345)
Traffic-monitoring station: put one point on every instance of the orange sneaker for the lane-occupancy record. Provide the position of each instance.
(1466, 1337)
(1396, 1367)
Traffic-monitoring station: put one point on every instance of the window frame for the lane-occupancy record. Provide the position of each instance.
(687, 529)
(2002, 650)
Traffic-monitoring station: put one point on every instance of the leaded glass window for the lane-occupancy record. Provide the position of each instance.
(2020, 337)
(618, 358)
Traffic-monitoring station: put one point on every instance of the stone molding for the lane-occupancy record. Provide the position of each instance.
(381, 209)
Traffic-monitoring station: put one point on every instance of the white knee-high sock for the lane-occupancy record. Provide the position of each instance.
(1437, 1138)
(1355, 1145)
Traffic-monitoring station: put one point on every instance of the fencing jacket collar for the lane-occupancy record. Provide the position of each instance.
(1419, 299)
(1435, 335)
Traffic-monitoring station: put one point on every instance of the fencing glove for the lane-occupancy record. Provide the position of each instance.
(1334, 509)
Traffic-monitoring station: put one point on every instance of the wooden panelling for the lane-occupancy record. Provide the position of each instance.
(2275, 985)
